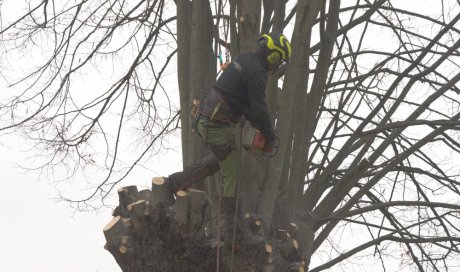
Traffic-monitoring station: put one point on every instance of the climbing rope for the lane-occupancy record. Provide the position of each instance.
(237, 198)
(223, 65)
(219, 12)
(219, 222)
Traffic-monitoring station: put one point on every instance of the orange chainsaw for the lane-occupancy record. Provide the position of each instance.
(254, 142)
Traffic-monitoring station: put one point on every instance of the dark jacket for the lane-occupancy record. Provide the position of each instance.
(243, 85)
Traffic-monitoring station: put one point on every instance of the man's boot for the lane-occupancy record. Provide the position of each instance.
(243, 234)
(199, 170)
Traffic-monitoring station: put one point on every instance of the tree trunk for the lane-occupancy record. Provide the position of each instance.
(184, 15)
(307, 12)
(166, 233)
(248, 24)
(252, 169)
(201, 60)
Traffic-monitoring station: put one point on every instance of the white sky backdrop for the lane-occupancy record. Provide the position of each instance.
(40, 235)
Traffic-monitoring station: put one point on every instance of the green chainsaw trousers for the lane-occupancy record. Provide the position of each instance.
(221, 140)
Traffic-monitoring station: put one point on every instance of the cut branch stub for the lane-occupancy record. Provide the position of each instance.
(293, 228)
(144, 194)
(290, 250)
(282, 234)
(269, 258)
(305, 236)
(118, 227)
(160, 192)
(172, 237)
(126, 196)
(125, 244)
(200, 211)
(139, 212)
(192, 211)
(253, 221)
(181, 207)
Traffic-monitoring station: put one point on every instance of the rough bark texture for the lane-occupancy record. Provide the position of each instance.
(172, 236)
(251, 170)
(294, 82)
(184, 22)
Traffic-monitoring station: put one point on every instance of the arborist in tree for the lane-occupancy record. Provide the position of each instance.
(239, 91)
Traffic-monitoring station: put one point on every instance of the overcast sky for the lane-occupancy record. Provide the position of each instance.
(40, 235)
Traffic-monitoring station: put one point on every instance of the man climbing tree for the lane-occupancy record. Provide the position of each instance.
(239, 91)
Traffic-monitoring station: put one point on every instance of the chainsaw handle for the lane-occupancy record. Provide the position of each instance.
(274, 150)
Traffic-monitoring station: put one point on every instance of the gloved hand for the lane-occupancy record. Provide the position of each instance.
(271, 148)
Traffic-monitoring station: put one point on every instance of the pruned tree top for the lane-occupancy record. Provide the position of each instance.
(367, 111)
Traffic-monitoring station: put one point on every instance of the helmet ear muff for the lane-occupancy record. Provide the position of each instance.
(273, 56)
(273, 53)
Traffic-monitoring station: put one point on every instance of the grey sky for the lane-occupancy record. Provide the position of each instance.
(37, 233)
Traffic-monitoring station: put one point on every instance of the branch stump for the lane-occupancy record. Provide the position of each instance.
(157, 231)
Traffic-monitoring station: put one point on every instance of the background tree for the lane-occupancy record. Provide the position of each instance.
(367, 112)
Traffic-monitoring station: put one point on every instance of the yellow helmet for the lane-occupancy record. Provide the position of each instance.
(276, 46)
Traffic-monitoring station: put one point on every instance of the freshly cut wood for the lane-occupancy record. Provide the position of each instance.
(123, 249)
(290, 250)
(301, 269)
(306, 237)
(139, 211)
(115, 229)
(181, 207)
(282, 234)
(293, 228)
(125, 245)
(268, 248)
(160, 192)
(192, 212)
(159, 181)
(253, 221)
(200, 210)
(268, 265)
(126, 196)
(173, 236)
(181, 193)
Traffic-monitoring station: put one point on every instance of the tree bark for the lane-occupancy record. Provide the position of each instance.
(184, 15)
(252, 169)
(172, 236)
(294, 82)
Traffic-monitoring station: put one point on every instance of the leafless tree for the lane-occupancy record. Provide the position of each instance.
(367, 116)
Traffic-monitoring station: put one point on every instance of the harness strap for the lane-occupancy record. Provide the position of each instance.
(216, 109)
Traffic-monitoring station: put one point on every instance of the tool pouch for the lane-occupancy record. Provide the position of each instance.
(216, 109)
